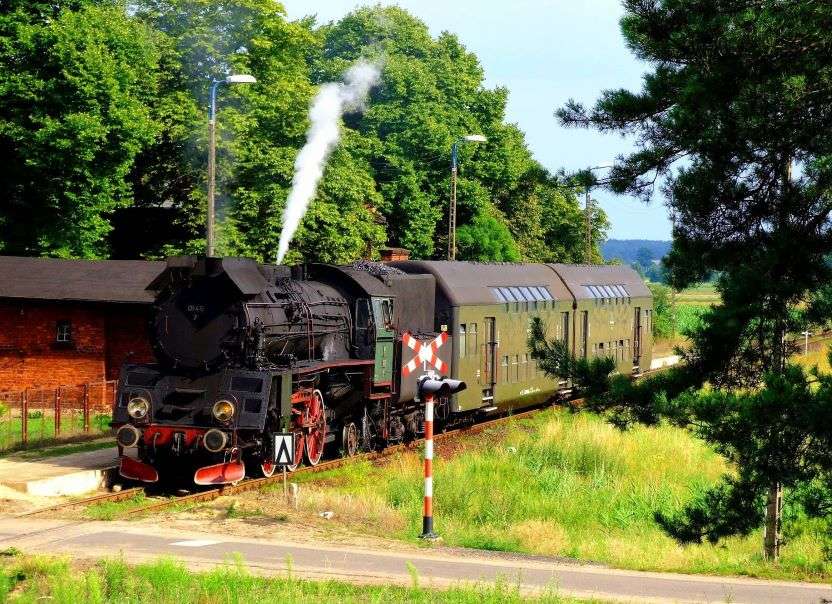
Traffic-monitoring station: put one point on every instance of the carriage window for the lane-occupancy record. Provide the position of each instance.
(462, 340)
(505, 369)
(472, 339)
(64, 331)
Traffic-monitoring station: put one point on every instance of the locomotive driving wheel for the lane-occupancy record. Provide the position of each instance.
(316, 428)
(299, 446)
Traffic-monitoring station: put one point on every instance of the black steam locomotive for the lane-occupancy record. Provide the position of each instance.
(248, 351)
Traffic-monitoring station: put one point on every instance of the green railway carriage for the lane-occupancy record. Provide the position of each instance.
(487, 308)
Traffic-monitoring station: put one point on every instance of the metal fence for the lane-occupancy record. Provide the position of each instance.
(32, 416)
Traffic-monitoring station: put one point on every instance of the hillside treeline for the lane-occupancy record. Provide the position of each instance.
(103, 137)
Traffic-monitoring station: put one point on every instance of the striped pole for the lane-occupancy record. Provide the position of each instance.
(427, 517)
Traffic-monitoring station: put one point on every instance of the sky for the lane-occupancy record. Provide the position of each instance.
(545, 52)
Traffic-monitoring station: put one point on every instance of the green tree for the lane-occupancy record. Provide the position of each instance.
(662, 310)
(738, 92)
(433, 92)
(261, 127)
(76, 81)
(486, 238)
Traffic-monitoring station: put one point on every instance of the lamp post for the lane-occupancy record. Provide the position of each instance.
(470, 138)
(212, 153)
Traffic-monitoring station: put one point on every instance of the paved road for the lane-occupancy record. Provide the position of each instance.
(139, 542)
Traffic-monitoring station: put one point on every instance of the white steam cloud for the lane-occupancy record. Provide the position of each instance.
(331, 102)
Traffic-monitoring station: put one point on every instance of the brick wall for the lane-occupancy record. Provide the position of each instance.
(127, 340)
(103, 336)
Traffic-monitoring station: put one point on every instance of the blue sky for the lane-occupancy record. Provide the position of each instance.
(545, 52)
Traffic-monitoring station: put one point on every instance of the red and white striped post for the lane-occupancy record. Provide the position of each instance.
(429, 388)
(427, 516)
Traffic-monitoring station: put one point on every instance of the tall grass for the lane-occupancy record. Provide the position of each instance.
(37, 579)
(569, 485)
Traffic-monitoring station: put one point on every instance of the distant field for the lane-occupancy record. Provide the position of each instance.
(562, 484)
(704, 294)
(691, 303)
(40, 579)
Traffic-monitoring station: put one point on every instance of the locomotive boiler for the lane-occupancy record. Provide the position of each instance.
(246, 351)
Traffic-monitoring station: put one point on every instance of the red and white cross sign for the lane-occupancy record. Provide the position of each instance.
(425, 352)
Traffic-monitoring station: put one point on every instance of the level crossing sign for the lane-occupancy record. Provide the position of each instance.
(284, 449)
(425, 352)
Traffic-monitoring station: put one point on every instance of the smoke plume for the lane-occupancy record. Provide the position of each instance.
(332, 101)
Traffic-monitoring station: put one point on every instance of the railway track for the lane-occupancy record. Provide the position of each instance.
(101, 497)
(253, 484)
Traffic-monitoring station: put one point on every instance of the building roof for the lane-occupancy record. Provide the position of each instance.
(118, 281)
(582, 280)
(465, 283)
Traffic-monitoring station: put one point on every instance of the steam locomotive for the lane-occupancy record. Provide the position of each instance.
(332, 354)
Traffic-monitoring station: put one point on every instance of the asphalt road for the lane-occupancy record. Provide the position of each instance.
(441, 567)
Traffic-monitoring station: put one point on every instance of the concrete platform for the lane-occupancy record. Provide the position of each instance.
(73, 474)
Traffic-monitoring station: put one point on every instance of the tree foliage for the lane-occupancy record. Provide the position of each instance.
(731, 119)
(76, 81)
(103, 122)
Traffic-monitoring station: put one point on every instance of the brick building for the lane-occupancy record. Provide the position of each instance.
(71, 321)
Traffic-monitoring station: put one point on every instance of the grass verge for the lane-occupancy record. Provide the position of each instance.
(35, 579)
(565, 485)
(109, 510)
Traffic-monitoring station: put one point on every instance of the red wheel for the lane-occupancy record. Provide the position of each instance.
(316, 424)
(299, 446)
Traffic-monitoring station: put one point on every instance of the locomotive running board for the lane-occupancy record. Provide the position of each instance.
(221, 473)
(133, 469)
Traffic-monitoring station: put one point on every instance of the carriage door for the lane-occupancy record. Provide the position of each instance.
(584, 333)
(637, 336)
(489, 360)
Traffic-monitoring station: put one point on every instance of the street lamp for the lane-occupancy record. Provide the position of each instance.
(470, 138)
(212, 152)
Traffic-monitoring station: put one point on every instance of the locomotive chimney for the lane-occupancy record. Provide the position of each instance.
(299, 272)
(394, 254)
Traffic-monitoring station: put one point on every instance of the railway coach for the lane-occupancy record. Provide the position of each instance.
(487, 309)
(332, 355)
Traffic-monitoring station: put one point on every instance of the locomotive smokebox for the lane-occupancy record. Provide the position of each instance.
(216, 312)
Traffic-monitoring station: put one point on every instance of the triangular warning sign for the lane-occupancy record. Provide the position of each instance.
(284, 446)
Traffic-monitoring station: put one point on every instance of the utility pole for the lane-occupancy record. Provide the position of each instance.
(452, 210)
(212, 172)
(470, 138)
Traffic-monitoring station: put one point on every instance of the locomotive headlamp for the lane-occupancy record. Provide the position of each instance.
(223, 410)
(138, 407)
